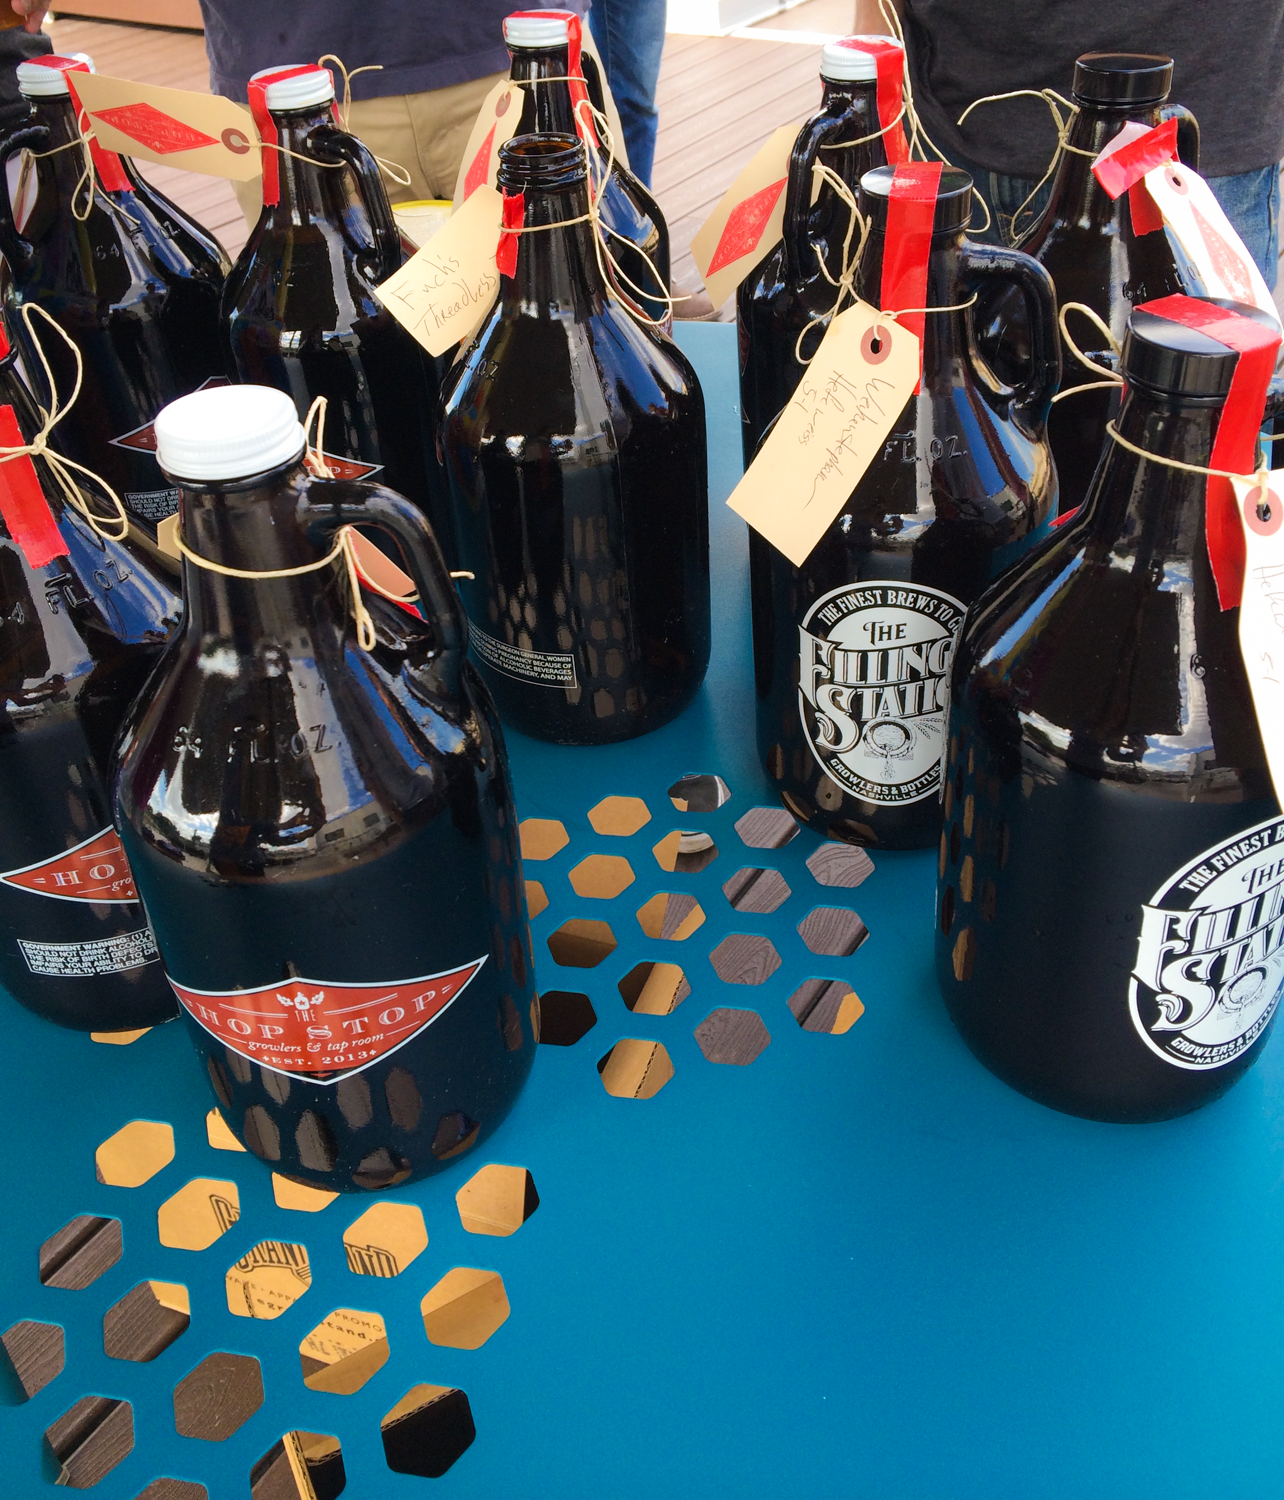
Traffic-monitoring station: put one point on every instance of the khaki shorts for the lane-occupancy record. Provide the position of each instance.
(424, 133)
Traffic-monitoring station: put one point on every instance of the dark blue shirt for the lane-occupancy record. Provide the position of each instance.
(422, 44)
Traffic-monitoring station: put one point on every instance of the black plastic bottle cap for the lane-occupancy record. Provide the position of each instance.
(1178, 361)
(953, 197)
(1122, 78)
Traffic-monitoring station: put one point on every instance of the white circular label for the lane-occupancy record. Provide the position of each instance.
(1210, 953)
(873, 686)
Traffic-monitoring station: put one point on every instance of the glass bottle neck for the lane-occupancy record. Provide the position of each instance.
(1091, 129)
(1146, 510)
(942, 332)
(557, 268)
(547, 107)
(61, 163)
(309, 188)
(253, 528)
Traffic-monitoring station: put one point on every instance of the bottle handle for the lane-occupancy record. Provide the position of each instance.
(329, 141)
(1187, 134)
(798, 192)
(17, 251)
(338, 502)
(979, 263)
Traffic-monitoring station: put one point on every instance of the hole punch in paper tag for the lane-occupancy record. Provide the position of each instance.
(1197, 221)
(749, 220)
(497, 121)
(1261, 611)
(175, 127)
(835, 425)
(444, 290)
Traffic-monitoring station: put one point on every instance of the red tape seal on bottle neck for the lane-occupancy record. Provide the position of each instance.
(889, 63)
(111, 172)
(911, 210)
(1235, 446)
(268, 133)
(1121, 169)
(574, 64)
(514, 218)
(23, 506)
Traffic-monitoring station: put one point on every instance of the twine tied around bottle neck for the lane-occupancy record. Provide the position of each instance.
(844, 284)
(88, 179)
(344, 549)
(59, 466)
(1055, 102)
(864, 140)
(609, 268)
(393, 170)
(1112, 377)
(1261, 477)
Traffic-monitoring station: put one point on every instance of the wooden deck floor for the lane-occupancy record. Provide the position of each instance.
(719, 99)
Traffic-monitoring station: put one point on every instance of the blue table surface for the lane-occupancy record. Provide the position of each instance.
(858, 1266)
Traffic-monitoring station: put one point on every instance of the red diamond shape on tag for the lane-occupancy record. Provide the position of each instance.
(480, 169)
(157, 131)
(744, 226)
(342, 468)
(96, 870)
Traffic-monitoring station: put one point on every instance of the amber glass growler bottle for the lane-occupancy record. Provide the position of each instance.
(300, 310)
(545, 44)
(321, 824)
(574, 444)
(852, 650)
(1089, 245)
(1110, 938)
(789, 290)
(80, 630)
(137, 291)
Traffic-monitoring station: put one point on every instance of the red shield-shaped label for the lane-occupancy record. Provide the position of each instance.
(143, 439)
(156, 130)
(744, 226)
(320, 1030)
(96, 870)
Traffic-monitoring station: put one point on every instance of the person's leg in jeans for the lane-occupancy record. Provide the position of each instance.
(1251, 201)
(630, 36)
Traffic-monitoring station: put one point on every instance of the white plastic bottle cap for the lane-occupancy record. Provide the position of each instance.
(227, 432)
(849, 60)
(536, 31)
(46, 77)
(313, 87)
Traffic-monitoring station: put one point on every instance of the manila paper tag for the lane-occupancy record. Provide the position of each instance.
(1199, 223)
(1261, 612)
(497, 121)
(448, 286)
(832, 430)
(747, 222)
(175, 127)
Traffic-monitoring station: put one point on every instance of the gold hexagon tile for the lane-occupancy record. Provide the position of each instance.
(651, 989)
(343, 1351)
(671, 915)
(497, 1200)
(135, 1153)
(635, 1069)
(619, 817)
(118, 1038)
(268, 1279)
(199, 1213)
(465, 1308)
(385, 1239)
(302, 1197)
(300, 1466)
(427, 1431)
(219, 1133)
(601, 876)
(536, 899)
(542, 838)
(685, 852)
(581, 943)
